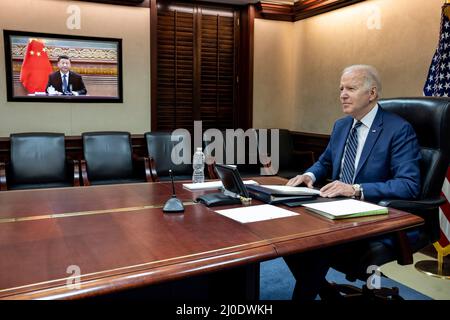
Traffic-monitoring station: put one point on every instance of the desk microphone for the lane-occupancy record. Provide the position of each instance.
(173, 204)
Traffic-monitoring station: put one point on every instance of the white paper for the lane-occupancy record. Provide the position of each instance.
(256, 213)
(343, 207)
(291, 190)
(210, 185)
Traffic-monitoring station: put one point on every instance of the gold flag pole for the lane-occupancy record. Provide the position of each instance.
(446, 8)
(439, 268)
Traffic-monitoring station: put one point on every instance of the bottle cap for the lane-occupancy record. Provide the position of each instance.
(199, 148)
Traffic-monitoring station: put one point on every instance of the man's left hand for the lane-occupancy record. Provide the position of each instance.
(337, 188)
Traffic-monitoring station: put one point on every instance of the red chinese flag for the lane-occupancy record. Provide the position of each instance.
(35, 68)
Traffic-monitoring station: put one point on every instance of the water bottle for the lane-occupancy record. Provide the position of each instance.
(198, 164)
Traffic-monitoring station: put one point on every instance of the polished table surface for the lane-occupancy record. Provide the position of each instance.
(120, 239)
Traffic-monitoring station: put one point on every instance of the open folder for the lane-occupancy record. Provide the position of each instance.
(210, 185)
(349, 208)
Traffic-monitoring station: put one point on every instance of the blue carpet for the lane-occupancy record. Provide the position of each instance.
(277, 282)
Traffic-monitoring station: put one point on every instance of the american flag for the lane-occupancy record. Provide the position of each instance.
(438, 85)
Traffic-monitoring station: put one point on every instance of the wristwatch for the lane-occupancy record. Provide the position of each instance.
(358, 191)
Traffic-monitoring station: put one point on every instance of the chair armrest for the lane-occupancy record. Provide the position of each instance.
(74, 166)
(146, 162)
(265, 161)
(266, 169)
(3, 184)
(425, 204)
(84, 174)
(151, 167)
(211, 172)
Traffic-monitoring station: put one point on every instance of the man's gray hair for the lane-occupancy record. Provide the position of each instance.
(371, 75)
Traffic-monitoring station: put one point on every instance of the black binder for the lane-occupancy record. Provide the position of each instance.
(233, 186)
(217, 199)
(272, 197)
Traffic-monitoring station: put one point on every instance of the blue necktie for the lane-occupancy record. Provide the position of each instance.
(64, 84)
(348, 169)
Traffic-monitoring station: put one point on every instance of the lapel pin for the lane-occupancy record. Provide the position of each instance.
(374, 130)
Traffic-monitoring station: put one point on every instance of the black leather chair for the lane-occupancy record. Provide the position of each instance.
(290, 161)
(248, 163)
(109, 159)
(38, 160)
(159, 147)
(213, 153)
(252, 164)
(430, 118)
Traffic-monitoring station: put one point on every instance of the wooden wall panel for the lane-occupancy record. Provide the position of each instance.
(309, 8)
(74, 147)
(300, 10)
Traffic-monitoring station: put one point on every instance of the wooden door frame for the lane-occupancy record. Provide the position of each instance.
(244, 95)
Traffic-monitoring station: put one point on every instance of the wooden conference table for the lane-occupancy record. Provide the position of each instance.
(119, 238)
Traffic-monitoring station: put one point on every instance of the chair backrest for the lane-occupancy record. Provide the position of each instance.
(285, 149)
(160, 146)
(37, 158)
(108, 155)
(245, 150)
(430, 118)
(218, 153)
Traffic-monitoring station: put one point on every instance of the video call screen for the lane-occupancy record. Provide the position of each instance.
(51, 67)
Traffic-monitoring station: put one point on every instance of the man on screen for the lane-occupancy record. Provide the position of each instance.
(64, 81)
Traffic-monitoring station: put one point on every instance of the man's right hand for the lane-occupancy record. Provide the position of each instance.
(301, 178)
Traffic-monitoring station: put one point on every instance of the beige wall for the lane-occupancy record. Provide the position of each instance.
(297, 65)
(401, 49)
(273, 91)
(130, 24)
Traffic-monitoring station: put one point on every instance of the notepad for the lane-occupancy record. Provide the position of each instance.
(256, 213)
(342, 209)
(210, 185)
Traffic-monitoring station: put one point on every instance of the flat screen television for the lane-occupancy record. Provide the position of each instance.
(35, 65)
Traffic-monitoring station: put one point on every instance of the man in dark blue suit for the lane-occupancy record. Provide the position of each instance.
(372, 155)
(64, 81)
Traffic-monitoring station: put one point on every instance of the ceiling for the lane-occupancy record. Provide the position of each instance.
(146, 3)
(252, 1)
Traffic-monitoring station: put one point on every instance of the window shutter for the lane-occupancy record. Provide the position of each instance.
(175, 68)
(195, 83)
(217, 69)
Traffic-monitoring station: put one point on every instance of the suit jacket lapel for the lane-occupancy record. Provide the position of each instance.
(70, 79)
(372, 137)
(58, 82)
(341, 140)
